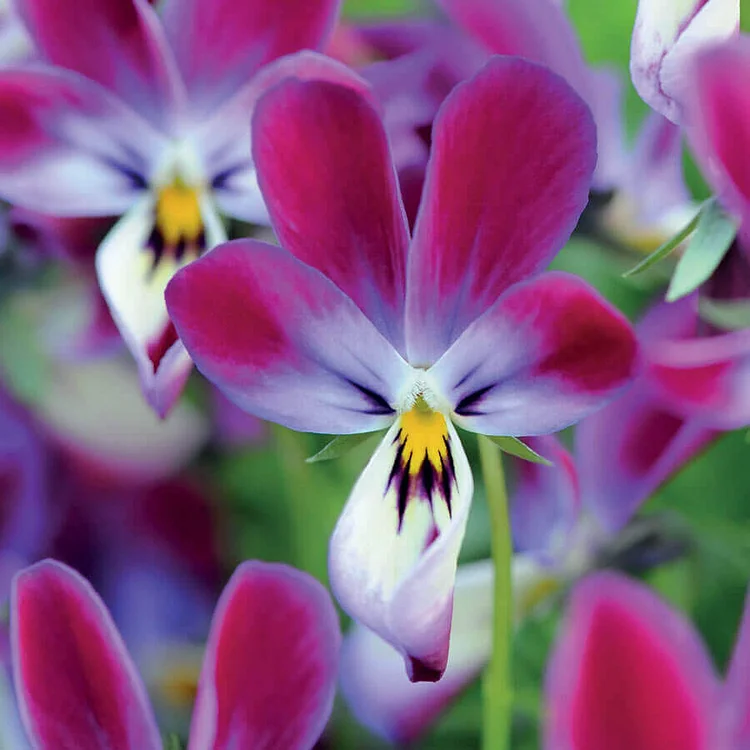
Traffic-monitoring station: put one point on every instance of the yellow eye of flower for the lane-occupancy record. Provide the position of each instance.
(178, 222)
(424, 437)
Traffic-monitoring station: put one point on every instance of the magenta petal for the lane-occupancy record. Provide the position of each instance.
(718, 121)
(283, 341)
(221, 44)
(500, 199)
(117, 43)
(628, 672)
(271, 661)
(548, 353)
(315, 138)
(76, 684)
(736, 692)
(545, 503)
(628, 449)
(68, 147)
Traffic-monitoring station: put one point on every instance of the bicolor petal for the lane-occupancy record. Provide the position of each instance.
(499, 201)
(269, 673)
(316, 138)
(628, 449)
(68, 147)
(628, 672)
(667, 33)
(394, 550)
(565, 353)
(249, 35)
(545, 503)
(718, 118)
(76, 684)
(119, 44)
(135, 262)
(283, 342)
(736, 691)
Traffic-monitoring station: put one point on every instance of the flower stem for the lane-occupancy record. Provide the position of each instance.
(497, 691)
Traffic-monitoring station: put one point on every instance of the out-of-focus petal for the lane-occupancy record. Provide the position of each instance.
(546, 501)
(548, 353)
(499, 200)
(394, 551)
(233, 426)
(315, 138)
(628, 672)
(736, 691)
(67, 147)
(665, 36)
(269, 673)
(372, 673)
(537, 30)
(249, 36)
(75, 681)
(606, 99)
(96, 412)
(117, 43)
(718, 121)
(133, 272)
(283, 341)
(223, 139)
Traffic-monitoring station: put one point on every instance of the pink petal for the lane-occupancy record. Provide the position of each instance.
(315, 138)
(269, 673)
(667, 33)
(548, 353)
(718, 120)
(537, 30)
(283, 341)
(68, 147)
(628, 449)
(117, 43)
(513, 152)
(75, 681)
(736, 692)
(546, 500)
(249, 36)
(628, 672)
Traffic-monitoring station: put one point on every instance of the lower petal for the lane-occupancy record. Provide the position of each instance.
(394, 551)
(546, 354)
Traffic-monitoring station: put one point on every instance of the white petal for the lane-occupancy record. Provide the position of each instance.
(394, 571)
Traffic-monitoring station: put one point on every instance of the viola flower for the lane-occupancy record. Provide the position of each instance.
(157, 135)
(268, 675)
(617, 627)
(349, 327)
(667, 33)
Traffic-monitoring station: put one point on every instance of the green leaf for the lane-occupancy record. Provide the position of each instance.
(339, 446)
(516, 448)
(713, 236)
(670, 245)
(172, 742)
(729, 315)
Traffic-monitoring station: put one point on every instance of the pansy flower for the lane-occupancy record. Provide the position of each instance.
(349, 327)
(630, 672)
(143, 115)
(267, 681)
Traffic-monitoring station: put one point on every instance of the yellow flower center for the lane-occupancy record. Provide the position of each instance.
(178, 215)
(424, 437)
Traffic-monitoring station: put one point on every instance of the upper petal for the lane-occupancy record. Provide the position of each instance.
(269, 673)
(326, 174)
(394, 550)
(513, 151)
(627, 672)
(67, 147)
(117, 43)
(220, 44)
(283, 341)
(76, 684)
(718, 121)
(666, 34)
(548, 352)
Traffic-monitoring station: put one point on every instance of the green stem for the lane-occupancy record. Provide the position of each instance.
(497, 691)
